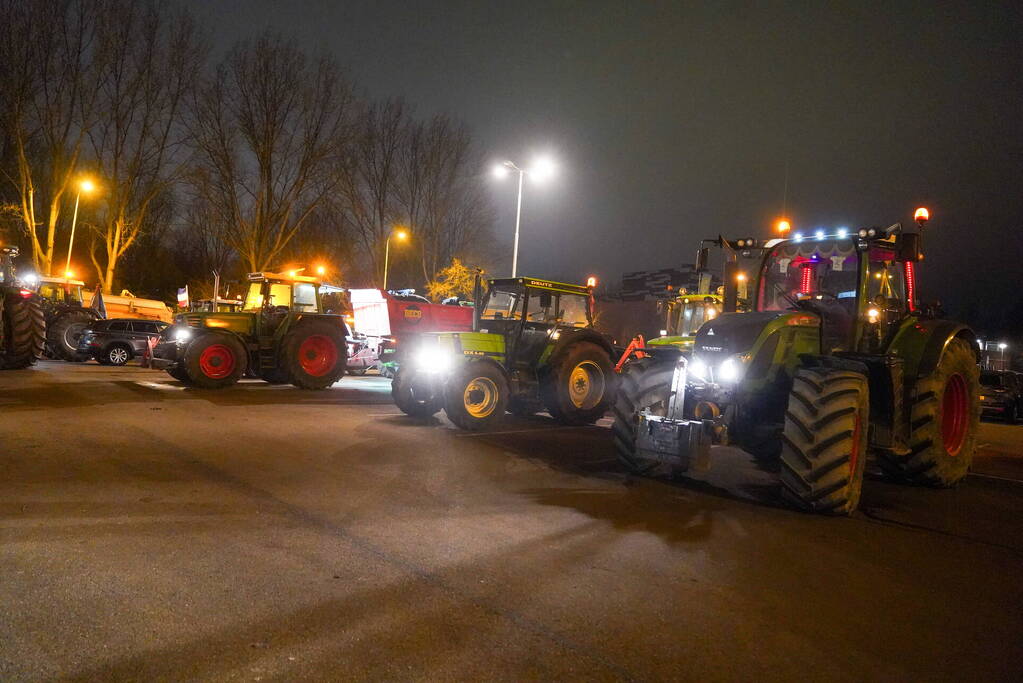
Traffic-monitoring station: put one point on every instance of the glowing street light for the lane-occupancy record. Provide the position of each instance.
(88, 187)
(321, 270)
(399, 234)
(543, 169)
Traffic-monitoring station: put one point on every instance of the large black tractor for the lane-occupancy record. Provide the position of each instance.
(835, 364)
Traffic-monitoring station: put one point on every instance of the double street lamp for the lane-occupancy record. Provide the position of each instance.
(541, 170)
(88, 187)
(401, 235)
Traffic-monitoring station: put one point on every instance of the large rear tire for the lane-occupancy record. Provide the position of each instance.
(579, 386)
(645, 384)
(408, 401)
(64, 333)
(22, 330)
(215, 360)
(943, 422)
(476, 396)
(314, 355)
(824, 442)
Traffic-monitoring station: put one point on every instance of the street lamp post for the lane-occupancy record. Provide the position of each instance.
(85, 186)
(543, 168)
(399, 235)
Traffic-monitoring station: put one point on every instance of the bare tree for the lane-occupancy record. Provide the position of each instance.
(152, 57)
(371, 179)
(49, 73)
(268, 130)
(440, 192)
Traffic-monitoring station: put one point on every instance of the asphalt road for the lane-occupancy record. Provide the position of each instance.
(149, 531)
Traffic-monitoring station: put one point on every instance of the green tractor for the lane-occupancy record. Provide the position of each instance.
(22, 323)
(532, 347)
(279, 335)
(833, 363)
(686, 312)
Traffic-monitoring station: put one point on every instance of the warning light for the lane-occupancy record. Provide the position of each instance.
(320, 270)
(591, 281)
(806, 279)
(872, 315)
(783, 226)
(69, 273)
(921, 216)
(741, 277)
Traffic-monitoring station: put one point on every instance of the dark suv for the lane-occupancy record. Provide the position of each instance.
(1001, 393)
(117, 341)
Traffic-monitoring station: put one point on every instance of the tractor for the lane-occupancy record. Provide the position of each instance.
(280, 335)
(532, 346)
(834, 363)
(22, 323)
(66, 317)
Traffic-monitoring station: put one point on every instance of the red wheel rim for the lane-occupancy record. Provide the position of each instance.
(317, 355)
(955, 414)
(217, 361)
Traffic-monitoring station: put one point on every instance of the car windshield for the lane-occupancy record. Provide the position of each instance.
(798, 271)
(503, 305)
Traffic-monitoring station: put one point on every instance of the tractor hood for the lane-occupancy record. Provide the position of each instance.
(242, 323)
(733, 333)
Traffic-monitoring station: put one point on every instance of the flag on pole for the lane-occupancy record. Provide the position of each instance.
(183, 297)
(97, 303)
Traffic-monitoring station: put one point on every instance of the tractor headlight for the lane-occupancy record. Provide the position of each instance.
(698, 369)
(182, 334)
(433, 359)
(728, 371)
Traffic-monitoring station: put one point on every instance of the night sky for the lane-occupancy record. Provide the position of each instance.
(677, 121)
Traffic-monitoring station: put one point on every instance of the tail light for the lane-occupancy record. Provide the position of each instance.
(25, 293)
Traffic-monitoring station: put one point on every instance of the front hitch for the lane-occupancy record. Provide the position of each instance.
(672, 438)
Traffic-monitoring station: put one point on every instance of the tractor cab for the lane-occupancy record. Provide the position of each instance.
(61, 290)
(531, 313)
(858, 287)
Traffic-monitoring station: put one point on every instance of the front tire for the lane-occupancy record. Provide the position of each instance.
(118, 354)
(314, 355)
(824, 442)
(943, 422)
(579, 386)
(476, 396)
(645, 384)
(215, 360)
(64, 333)
(408, 401)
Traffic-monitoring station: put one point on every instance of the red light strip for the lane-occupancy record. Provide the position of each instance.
(806, 278)
(910, 285)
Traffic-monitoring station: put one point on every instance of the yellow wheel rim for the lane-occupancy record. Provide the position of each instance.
(480, 397)
(586, 385)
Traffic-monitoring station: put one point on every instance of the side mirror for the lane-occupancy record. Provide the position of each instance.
(701, 259)
(908, 246)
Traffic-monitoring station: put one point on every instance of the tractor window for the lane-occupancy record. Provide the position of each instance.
(886, 280)
(572, 310)
(280, 295)
(305, 297)
(50, 292)
(503, 306)
(542, 307)
(797, 271)
(694, 314)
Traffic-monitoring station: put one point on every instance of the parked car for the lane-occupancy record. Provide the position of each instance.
(117, 341)
(1002, 395)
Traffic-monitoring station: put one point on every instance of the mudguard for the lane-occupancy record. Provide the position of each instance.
(921, 343)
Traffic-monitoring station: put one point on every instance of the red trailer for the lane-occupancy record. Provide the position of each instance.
(385, 321)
